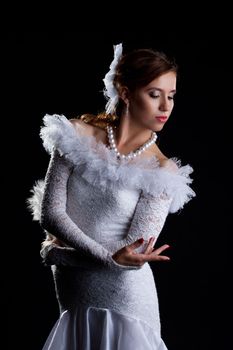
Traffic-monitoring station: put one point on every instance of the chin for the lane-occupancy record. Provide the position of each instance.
(158, 128)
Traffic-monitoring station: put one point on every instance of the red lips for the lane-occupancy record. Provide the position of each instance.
(161, 118)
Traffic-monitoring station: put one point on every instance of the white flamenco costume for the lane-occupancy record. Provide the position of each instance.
(97, 205)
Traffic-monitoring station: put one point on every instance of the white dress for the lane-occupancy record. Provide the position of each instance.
(97, 205)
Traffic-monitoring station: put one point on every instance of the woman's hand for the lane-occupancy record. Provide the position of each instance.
(128, 256)
(53, 240)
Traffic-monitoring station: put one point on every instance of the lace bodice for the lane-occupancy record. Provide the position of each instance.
(97, 205)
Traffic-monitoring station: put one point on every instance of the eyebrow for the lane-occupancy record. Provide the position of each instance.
(155, 88)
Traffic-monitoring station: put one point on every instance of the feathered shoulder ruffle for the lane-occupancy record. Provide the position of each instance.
(99, 166)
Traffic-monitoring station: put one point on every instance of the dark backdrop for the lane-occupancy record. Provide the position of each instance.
(62, 73)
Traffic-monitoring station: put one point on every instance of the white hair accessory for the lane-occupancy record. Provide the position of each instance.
(110, 91)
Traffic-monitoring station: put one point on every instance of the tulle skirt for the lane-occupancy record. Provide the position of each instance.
(91, 328)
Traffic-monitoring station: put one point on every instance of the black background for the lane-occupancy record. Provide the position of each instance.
(62, 73)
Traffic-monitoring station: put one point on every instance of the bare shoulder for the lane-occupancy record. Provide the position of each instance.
(88, 129)
(164, 161)
(168, 164)
(80, 125)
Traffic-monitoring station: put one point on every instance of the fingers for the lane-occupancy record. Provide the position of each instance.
(152, 257)
(139, 242)
(135, 244)
(161, 249)
(150, 245)
(127, 255)
(155, 254)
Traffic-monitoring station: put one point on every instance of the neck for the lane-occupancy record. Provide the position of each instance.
(130, 133)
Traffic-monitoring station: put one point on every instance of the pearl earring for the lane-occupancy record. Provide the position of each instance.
(127, 110)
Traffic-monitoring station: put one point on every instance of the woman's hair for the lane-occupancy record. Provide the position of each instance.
(134, 70)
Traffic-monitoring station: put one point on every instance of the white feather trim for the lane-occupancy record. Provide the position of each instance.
(99, 166)
(34, 202)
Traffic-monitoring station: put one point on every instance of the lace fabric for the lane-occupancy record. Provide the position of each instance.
(96, 206)
(161, 191)
(54, 217)
(148, 219)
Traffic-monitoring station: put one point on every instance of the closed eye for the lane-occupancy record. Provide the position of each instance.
(154, 96)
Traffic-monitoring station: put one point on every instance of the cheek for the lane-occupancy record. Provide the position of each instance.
(144, 107)
(140, 104)
(139, 108)
(148, 105)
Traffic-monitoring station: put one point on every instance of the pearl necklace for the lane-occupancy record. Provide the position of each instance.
(132, 154)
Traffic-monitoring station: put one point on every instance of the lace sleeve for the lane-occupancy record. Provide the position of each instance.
(148, 220)
(55, 220)
(53, 254)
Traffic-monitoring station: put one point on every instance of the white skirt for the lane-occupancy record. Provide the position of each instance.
(91, 328)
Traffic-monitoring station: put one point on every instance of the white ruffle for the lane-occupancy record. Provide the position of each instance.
(99, 166)
(92, 328)
(35, 200)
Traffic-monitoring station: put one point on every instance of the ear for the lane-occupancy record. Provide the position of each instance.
(124, 94)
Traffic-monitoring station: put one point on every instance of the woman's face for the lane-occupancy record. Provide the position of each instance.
(152, 104)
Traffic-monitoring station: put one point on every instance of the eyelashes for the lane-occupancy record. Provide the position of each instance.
(154, 96)
(157, 96)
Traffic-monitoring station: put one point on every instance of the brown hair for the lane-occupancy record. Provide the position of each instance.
(134, 70)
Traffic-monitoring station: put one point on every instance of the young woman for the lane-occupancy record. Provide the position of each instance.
(104, 201)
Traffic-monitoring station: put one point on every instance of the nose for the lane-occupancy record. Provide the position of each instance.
(164, 105)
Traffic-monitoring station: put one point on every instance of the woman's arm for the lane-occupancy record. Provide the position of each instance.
(54, 254)
(149, 216)
(55, 220)
(148, 220)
